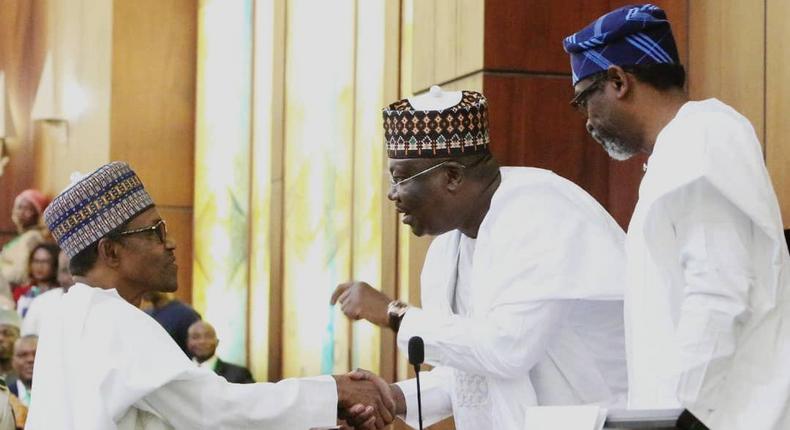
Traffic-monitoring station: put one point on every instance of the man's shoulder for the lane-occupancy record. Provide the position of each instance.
(233, 372)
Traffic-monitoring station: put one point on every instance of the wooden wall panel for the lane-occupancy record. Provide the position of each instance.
(531, 124)
(153, 94)
(727, 55)
(152, 121)
(777, 128)
(527, 35)
(23, 34)
(444, 39)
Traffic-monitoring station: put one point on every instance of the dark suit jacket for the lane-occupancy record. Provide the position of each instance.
(11, 382)
(233, 373)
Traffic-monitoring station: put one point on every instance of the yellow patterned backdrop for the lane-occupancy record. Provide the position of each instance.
(290, 173)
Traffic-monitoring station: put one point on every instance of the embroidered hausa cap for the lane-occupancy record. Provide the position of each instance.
(95, 205)
(628, 36)
(437, 125)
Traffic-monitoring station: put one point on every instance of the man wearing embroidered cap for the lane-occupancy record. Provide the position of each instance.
(102, 363)
(521, 288)
(708, 292)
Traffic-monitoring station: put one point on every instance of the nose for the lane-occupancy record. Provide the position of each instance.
(589, 126)
(393, 192)
(170, 243)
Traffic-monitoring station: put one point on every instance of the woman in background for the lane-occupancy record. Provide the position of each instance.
(26, 214)
(43, 269)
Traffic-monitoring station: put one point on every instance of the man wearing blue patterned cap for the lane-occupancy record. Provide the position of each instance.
(104, 364)
(708, 296)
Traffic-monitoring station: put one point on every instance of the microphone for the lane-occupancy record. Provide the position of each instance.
(416, 357)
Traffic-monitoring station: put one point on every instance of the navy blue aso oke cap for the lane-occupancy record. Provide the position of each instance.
(628, 36)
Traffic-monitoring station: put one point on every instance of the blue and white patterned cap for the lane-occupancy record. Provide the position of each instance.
(96, 205)
(628, 36)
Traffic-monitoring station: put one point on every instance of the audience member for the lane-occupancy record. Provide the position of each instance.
(45, 303)
(202, 344)
(9, 333)
(24, 356)
(12, 412)
(43, 276)
(26, 215)
(174, 315)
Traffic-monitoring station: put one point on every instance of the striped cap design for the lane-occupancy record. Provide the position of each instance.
(96, 205)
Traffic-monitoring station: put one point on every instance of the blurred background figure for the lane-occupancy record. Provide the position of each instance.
(9, 333)
(174, 315)
(24, 357)
(26, 215)
(202, 344)
(43, 276)
(43, 305)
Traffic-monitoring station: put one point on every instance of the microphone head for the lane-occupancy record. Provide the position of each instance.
(416, 350)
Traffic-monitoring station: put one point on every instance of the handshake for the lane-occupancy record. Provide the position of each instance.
(366, 401)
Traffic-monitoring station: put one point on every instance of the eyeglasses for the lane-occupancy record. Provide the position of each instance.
(579, 101)
(395, 183)
(160, 228)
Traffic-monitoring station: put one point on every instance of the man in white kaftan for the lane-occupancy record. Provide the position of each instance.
(522, 306)
(103, 364)
(708, 292)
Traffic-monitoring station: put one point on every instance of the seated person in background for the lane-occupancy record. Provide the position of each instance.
(43, 276)
(202, 344)
(45, 303)
(104, 364)
(12, 412)
(24, 357)
(174, 315)
(26, 214)
(9, 333)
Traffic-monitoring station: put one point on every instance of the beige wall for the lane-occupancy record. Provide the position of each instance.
(72, 107)
(118, 83)
(737, 54)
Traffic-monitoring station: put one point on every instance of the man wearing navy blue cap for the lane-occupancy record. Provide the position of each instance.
(708, 293)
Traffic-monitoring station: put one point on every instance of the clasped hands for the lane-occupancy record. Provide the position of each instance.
(358, 300)
(365, 400)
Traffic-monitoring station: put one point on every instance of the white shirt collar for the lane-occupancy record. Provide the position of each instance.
(210, 363)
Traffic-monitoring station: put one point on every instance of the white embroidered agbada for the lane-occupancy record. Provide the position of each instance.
(545, 324)
(707, 305)
(103, 364)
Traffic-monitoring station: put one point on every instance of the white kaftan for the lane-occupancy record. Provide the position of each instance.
(707, 304)
(545, 322)
(103, 364)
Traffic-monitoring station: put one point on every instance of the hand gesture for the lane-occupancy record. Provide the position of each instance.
(365, 403)
(358, 300)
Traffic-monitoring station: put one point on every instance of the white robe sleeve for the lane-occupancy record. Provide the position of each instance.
(505, 343)
(436, 399)
(714, 240)
(204, 400)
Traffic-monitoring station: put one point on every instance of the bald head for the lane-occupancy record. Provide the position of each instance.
(202, 340)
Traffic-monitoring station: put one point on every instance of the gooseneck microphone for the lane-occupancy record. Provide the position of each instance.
(416, 357)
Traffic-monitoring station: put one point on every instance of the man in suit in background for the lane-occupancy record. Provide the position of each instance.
(24, 356)
(202, 344)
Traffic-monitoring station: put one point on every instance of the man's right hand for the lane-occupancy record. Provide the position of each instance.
(370, 391)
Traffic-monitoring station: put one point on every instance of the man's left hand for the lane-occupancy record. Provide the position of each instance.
(358, 300)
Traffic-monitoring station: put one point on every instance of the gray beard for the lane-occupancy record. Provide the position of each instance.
(616, 149)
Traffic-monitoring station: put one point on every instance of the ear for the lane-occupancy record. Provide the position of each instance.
(621, 81)
(109, 251)
(455, 175)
